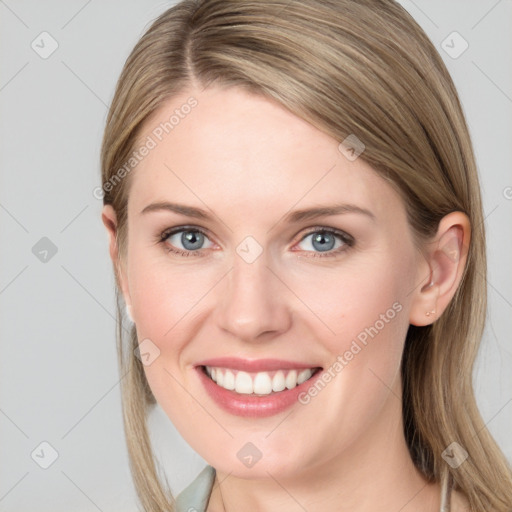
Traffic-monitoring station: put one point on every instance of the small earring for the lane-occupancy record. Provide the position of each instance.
(128, 310)
(433, 312)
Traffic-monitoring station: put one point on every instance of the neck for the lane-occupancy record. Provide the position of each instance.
(375, 473)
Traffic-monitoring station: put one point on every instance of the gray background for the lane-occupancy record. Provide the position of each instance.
(58, 369)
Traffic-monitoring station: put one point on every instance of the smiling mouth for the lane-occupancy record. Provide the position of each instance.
(259, 383)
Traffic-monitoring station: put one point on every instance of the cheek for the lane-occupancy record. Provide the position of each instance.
(357, 302)
(365, 308)
(164, 297)
(367, 311)
(168, 305)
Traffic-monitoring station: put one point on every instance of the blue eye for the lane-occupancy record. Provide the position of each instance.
(327, 241)
(322, 242)
(191, 240)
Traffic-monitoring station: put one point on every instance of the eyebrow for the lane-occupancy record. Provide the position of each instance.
(292, 217)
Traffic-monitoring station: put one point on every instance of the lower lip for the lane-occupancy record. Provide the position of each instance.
(253, 405)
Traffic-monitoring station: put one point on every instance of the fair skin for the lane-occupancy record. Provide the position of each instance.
(248, 163)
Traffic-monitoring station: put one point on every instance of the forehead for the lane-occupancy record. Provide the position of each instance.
(239, 150)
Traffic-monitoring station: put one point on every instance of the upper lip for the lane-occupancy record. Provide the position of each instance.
(255, 365)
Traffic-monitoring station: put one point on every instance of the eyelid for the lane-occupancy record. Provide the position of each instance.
(164, 235)
(347, 239)
(172, 231)
(325, 229)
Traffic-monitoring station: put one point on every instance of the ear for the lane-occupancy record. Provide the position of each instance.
(442, 270)
(109, 218)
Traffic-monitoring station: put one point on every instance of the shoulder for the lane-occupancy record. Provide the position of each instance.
(196, 495)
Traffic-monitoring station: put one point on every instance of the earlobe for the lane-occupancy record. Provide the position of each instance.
(446, 258)
(129, 313)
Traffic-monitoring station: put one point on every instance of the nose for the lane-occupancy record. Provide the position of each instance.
(253, 305)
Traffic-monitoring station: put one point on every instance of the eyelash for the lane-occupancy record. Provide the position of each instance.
(347, 240)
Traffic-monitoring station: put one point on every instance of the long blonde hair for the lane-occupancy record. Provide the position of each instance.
(348, 67)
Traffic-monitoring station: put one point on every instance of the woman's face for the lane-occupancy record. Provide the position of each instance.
(247, 279)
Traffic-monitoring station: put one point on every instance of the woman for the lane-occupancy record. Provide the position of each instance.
(296, 230)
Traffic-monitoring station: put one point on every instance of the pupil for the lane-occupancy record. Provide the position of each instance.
(192, 240)
(325, 241)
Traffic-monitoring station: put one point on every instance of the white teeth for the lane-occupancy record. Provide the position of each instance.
(304, 375)
(261, 383)
(229, 380)
(278, 382)
(243, 383)
(291, 379)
